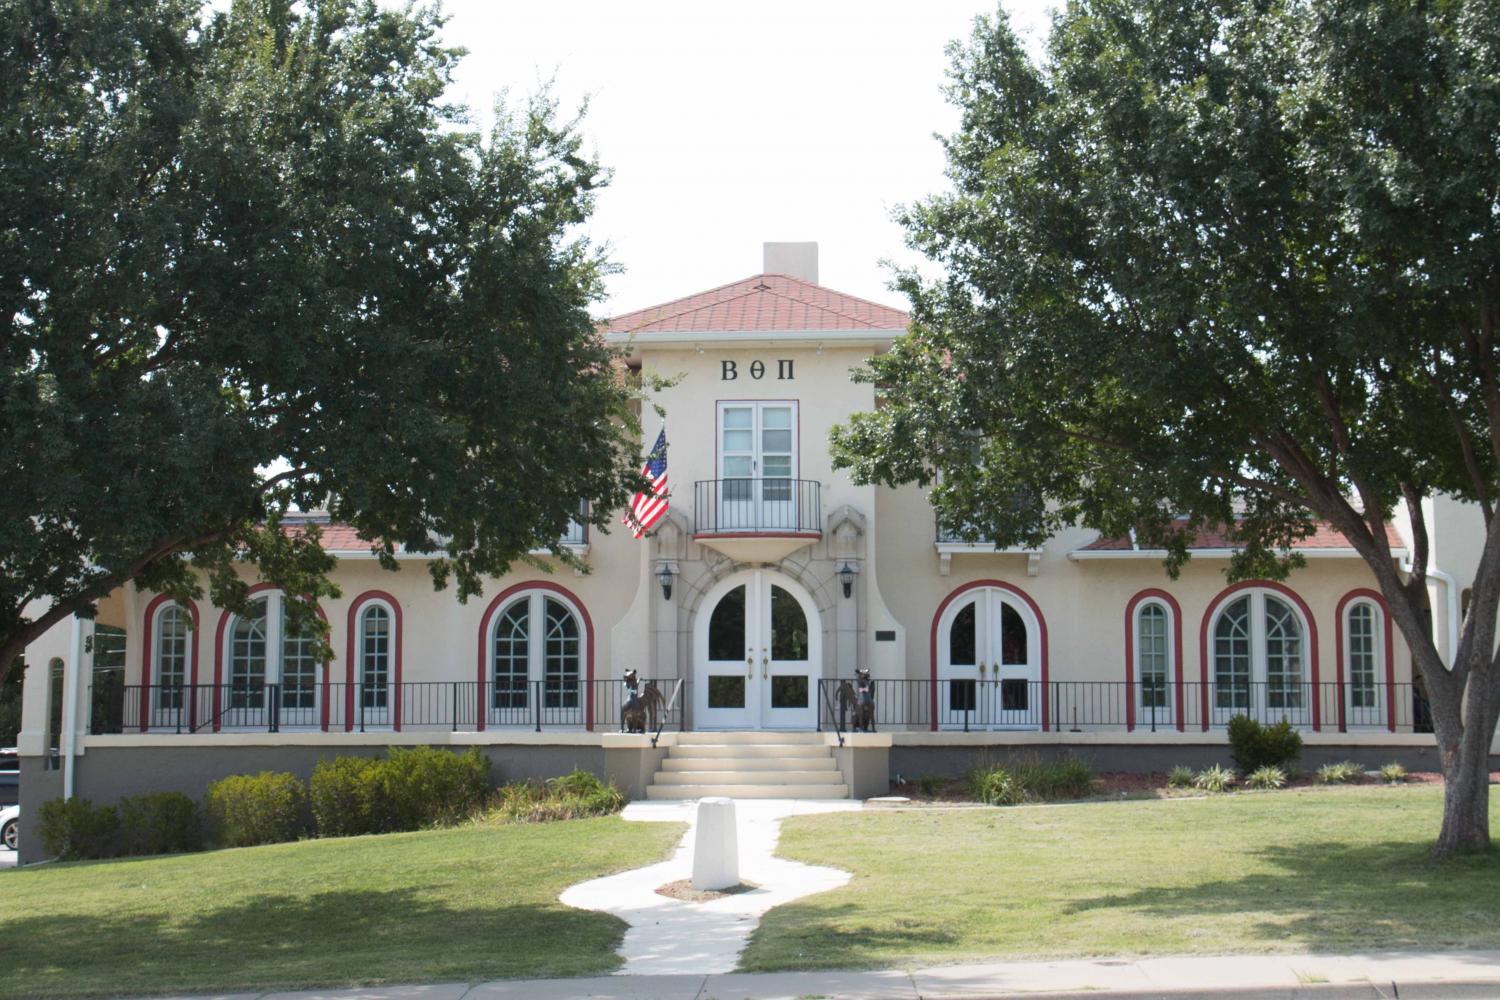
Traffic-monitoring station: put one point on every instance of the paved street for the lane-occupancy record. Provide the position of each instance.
(1457, 974)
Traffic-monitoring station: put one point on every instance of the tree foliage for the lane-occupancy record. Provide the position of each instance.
(1220, 262)
(252, 260)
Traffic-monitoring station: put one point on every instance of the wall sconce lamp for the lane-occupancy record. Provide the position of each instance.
(664, 577)
(846, 577)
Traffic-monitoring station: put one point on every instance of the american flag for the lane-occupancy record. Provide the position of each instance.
(649, 505)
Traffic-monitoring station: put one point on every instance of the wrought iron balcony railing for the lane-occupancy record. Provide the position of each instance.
(757, 507)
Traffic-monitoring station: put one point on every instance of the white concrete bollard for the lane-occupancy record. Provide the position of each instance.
(716, 847)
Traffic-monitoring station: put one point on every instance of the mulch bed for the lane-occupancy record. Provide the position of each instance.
(1119, 784)
(683, 889)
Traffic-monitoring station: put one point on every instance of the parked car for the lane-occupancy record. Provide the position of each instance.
(10, 824)
(10, 776)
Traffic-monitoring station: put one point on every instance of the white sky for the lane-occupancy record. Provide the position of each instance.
(729, 125)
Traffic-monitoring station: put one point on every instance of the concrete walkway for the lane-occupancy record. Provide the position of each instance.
(675, 937)
(1384, 975)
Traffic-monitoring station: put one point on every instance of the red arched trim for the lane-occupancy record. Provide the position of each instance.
(224, 617)
(933, 639)
(588, 652)
(1312, 639)
(148, 636)
(353, 653)
(1151, 593)
(1375, 598)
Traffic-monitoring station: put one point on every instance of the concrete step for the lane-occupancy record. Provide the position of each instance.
(745, 777)
(743, 750)
(748, 791)
(768, 736)
(800, 763)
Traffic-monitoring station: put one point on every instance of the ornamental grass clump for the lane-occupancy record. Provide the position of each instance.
(1180, 776)
(1214, 779)
(1031, 779)
(573, 796)
(1393, 773)
(995, 786)
(1344, 772)
(1266, 778)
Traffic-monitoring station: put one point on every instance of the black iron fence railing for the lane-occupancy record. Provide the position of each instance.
(565, 703)
(757, 506)
(1060, 706)
(456, 706)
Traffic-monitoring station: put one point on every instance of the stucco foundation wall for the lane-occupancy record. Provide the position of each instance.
(106, 775)
(912, 762)
(38, 784)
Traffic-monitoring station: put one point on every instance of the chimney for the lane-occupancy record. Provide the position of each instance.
(800, 260)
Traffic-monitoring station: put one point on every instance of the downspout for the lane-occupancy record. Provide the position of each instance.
(1450, 600)
(70, 705)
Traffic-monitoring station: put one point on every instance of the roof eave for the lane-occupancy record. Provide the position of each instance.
(865, 337)
(1397, 552)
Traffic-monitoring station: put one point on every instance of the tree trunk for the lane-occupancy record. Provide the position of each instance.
(1463, 733)
(1466, 796)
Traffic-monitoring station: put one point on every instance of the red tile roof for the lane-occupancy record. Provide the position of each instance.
(762, 302)
(336, 537)
(1323, 537)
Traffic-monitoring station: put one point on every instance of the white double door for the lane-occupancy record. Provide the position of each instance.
(989, 657)
(757, 650)
(757, 466)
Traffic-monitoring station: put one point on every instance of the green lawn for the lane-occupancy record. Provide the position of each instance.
(1314, 869)
(476, 902)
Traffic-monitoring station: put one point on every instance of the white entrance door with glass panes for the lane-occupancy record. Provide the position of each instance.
(757, 645)
(989, 663)
(757, 463)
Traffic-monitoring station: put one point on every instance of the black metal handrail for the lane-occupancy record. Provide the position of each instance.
(671, 704)
(837, 717)
(570, 703)
(757, 506)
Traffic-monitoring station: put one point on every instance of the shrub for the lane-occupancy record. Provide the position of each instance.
(347, 795)
(1066, 778)
(930, 785)
(1254, 746)
(1392, 773)
(159, 823)
(1267, 777)
(1180, 776)
(573, 796)
(425, 786)
(249, 809)
(1341, 773)
(996, 786)
(1214, 779)
(78, 829)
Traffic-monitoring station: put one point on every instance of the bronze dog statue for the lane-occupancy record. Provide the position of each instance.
(858, 697)
(864, 710)
(641, 708)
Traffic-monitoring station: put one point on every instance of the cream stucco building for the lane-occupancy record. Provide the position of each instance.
(770, 580)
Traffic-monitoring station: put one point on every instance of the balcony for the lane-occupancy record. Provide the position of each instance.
(757, 520)
(953, 541)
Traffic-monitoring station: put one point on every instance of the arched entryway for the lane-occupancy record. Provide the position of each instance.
(757, 654)
(989, 661)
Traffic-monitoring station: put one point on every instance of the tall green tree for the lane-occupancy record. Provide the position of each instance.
(1233, 261)
(252, 260)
